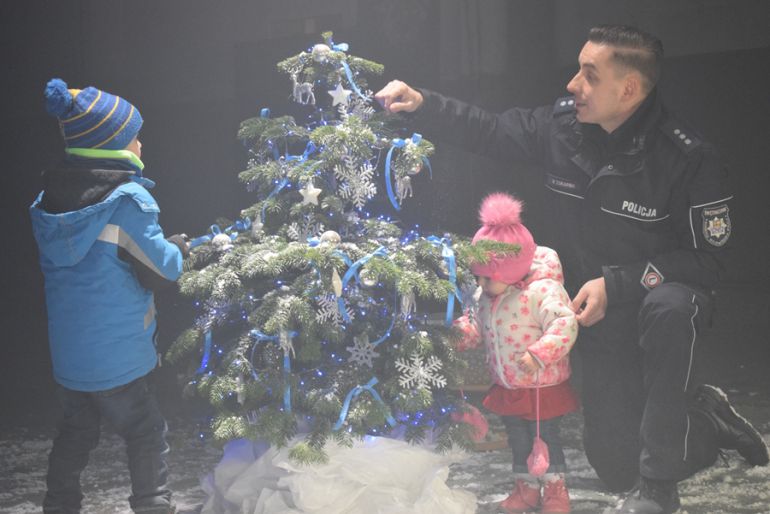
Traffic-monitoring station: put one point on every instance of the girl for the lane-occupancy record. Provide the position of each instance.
(528, 329)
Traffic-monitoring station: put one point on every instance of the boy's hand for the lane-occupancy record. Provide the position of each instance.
(181, 241)
(590, 303)
(529, 363)
(397, 96)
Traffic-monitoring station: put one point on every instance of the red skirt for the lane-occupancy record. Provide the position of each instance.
(555, 400)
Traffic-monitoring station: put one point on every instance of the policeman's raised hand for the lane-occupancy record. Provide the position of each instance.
(590, 303)
(397, 96)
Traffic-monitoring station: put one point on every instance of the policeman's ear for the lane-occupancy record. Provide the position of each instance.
(632, 86)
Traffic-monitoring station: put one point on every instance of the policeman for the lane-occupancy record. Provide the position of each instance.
(640, 214)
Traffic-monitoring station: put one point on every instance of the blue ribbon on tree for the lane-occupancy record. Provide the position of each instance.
(309, 149)
(400, 143)
(353, 272)
(349, 75)
(369, 386)
(232, 231)
(206, 352)
(343, 47)
(280, 184)
(392, 322)
(259, 336)
(449, 258)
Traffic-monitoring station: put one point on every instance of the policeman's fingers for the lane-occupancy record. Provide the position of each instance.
(592, 313)
(589, 317)
(390, 92)
(397, 96)
(407, 106)
(577, 303)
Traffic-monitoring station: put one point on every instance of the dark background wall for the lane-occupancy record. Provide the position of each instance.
(197, 68)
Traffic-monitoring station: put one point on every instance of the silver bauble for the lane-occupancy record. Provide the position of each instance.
(222, 242)
(367, 278)
(320, 52)
(331, 237)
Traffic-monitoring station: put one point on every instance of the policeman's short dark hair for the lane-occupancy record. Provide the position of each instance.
(634, 49)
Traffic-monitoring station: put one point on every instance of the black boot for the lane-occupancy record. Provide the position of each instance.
(650, 497)
(733, 432)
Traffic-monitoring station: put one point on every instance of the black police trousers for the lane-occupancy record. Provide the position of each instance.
(637, 369)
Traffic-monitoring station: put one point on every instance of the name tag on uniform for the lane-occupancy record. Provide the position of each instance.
(563, 186)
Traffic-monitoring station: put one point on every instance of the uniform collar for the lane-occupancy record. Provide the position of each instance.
(630, 137)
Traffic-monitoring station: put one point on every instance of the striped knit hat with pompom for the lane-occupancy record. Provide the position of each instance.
(91, 118)
(500, 216)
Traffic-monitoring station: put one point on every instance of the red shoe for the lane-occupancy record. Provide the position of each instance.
(524, 498)
(555, 497)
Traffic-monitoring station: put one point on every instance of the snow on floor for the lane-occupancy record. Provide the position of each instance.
(736, 489)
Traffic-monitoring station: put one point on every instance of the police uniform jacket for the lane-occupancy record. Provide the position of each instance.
(646, 204)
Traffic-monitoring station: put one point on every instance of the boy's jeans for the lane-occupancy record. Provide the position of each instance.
(133, 412)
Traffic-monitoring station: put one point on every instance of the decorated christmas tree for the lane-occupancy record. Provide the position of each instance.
(311, 319)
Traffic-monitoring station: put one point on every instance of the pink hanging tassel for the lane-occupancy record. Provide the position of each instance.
(538, 461)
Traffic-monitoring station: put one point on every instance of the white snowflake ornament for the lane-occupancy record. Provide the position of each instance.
(329, 310)
(356, 183)
(418, 374)
(362, 351)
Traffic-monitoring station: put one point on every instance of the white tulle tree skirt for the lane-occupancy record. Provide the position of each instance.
(376, 476)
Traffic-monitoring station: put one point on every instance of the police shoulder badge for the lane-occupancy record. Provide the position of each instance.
(716, 224)
(651, 277)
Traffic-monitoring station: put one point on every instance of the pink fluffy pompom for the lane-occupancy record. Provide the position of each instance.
(500, 209)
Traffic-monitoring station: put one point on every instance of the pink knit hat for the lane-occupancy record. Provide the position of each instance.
(500, 216)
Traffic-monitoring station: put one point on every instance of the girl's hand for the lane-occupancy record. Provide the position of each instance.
(529, 363)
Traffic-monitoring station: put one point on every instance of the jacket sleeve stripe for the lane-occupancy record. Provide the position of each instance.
(115, 235)
(149, 316)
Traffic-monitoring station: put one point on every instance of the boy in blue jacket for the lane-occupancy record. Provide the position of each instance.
(102, 253)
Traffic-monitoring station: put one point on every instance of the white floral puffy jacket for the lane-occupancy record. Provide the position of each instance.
(530, 316)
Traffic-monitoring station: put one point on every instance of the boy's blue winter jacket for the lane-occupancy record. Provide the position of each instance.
(101, 319)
